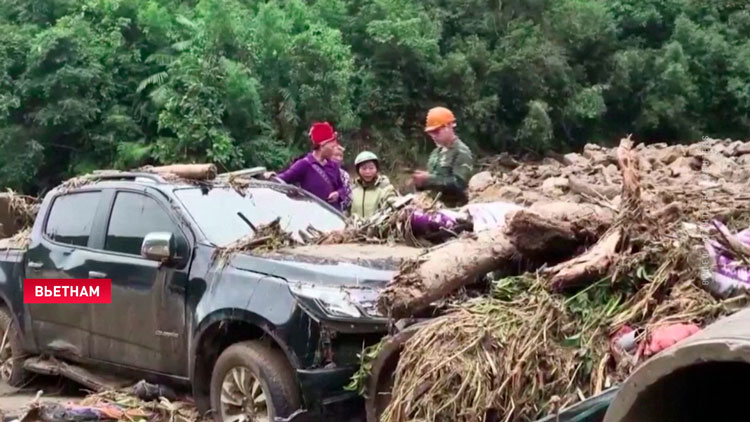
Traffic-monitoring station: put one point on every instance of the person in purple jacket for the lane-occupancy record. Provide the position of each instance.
(316, 172)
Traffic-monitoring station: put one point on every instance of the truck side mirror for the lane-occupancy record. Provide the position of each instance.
(158, 246)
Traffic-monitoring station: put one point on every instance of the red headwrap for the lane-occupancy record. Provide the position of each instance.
(322, 132)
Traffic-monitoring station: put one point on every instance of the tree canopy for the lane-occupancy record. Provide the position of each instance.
(88, 84)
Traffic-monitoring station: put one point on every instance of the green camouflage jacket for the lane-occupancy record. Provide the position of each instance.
(450, 170)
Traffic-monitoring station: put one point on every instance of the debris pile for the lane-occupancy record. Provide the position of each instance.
(390, 225)
(683, 175)
(17, 213)
(142, 402)
(265, 238)
(130, 407)
(608, 242)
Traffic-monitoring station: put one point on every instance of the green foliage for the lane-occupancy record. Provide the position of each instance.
(122, 83)
(535, 132)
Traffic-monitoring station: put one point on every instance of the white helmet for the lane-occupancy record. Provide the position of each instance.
(365, 156)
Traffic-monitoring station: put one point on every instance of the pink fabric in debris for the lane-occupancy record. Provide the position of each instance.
(667, 336)
(726, 273)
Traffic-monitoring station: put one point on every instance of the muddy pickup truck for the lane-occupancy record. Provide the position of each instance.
(260, 336)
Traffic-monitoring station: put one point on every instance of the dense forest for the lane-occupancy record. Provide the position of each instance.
(88, 84)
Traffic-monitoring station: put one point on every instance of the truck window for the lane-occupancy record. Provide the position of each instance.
(71, 218)
(133, 217)
(218, 211)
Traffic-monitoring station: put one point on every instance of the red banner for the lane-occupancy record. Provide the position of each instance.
(67, 290)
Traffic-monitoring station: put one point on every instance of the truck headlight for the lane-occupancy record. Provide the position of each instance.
(343, 301)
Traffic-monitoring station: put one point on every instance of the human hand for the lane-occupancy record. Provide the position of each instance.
(269, 174)
(419, 177)
(333, 197)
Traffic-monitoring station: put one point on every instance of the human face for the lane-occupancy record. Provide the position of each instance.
(368, 171)
(338, 154)
(328, 149)
(443, 136)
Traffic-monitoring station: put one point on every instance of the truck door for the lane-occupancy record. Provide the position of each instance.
(63, 252)
(144, 326)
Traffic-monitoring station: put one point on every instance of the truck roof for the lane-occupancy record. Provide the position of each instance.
(238, 180)
(244, 178)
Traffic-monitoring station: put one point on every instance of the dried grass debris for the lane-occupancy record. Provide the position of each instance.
(524, 351)
(265, 238)
(134, 409)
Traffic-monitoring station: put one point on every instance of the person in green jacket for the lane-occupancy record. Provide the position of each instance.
(372, 190)
(451, 163)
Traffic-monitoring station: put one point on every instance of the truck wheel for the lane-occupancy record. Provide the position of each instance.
(11, 352)
(252, 382)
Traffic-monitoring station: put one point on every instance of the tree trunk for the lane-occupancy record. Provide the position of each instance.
(588, 267)
(597, 261)
(555, 229)
(443, 270)
(188, 171)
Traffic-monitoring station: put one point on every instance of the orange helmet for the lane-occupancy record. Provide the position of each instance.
(438, 117)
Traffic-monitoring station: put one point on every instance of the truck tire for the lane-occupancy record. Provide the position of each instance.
(11, 353)
(251, 377)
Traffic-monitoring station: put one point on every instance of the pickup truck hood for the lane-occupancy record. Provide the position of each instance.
(345, 264)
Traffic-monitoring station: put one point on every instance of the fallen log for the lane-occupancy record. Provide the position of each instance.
(554, 229)
(186, 171)
(597, 261)
(543, 236)
(586, 268)
(588, 221)
(443, 270)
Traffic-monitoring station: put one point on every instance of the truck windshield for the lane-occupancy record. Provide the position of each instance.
(219, 211)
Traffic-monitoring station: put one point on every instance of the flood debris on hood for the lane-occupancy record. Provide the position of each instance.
(266, 238)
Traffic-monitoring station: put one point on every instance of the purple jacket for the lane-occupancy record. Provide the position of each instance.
(308, 173)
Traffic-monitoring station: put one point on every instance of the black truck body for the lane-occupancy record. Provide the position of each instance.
(169, 321)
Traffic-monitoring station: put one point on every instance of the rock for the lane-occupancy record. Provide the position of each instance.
(547, 171)
(505, 160)
(612, 156)
(645, 164)
(732, 149)
(719, 149)
(499, 192)
(698, 149)
(577, 159)
(554, 186)
(671, 154)
(719, 166)
(611, 174)
(530, 197)
(743, 148)
(710, 142)
(509, 193)
(480, 181)
(594, 153)
(685, 165)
